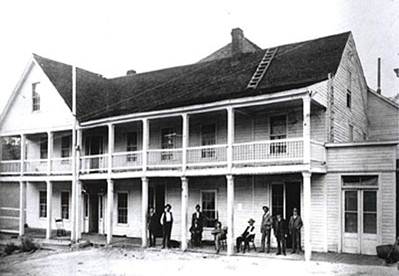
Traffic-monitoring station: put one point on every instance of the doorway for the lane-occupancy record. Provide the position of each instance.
(94, 207)
(156, 199)
(95, 146)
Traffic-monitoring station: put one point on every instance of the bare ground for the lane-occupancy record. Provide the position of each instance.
(120, 261)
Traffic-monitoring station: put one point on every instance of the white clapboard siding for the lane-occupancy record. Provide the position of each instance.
(318, 219)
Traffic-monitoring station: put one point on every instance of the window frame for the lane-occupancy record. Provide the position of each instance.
(43, 145)
(278, 147)
(118, 208)
(215, 192)
(168, 155)
(349, 90)
(65, 149)
(42, 204)
(351, 132)
(208, 153)
(131, 147)
(62, 205)
(35, 97)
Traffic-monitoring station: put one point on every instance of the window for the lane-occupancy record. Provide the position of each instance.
(65, 205)
(101, 206)
(65, 146)
(360, 181)
(278, 130)
(350, 133)
(349, 90)
(208, 202)
(86, 203)
(167, 142)
(351, 211)
(10, 148)
(35, 97)
(208, 138)
(42, 204)
(43, 148)
(122, 208)
(370, 212)
(131, 145)
(278, 199)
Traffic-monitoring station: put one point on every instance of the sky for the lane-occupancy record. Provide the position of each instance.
(111, 37)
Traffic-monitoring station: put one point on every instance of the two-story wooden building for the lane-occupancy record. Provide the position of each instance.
(290, 126)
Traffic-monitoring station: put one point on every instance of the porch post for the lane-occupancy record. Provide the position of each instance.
(230, 137)
(144, 211)
(230, 214)
(78, 214)
(146, 133)
(185, 135)
(110, 209)
(307, 204)
(184, 204)
(22, 204)
(23, 153)
(111, 141)
(49, 151)
(49, 185)
(306, 130)
(78, 186)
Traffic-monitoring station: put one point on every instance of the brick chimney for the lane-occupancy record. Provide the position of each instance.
(131, 72)
(237, 40)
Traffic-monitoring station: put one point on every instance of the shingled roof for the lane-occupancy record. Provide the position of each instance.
(295, 65)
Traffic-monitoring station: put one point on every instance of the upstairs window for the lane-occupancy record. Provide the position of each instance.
(43, 148)
(208, 138)
(167, 142)
(278, 130)
(65, 146)
(350, 133)
(349, 91)
(131, 145)
(35, 97)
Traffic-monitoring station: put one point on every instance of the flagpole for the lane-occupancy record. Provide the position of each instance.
(75, 216)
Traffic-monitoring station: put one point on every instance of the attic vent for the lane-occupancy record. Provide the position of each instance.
(262, 67)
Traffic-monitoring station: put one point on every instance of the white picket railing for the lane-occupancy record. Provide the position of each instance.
(127, 160)
(35, 166)
(61, 165)
(317, 151)
(269, 151)
(10, 167)
(207, 155)
(94, 163)
(164, 157)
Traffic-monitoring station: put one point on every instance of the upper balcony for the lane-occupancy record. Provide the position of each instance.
(247, 138)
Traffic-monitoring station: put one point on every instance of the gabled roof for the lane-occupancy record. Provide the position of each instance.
(295, 65)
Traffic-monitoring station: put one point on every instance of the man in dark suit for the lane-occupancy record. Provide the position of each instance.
(246, 236)
(280, 232)
(197, 225)
(294, 227)
(166, 222)
(152, 225)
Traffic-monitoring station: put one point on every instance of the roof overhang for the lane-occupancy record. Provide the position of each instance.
(362, 144)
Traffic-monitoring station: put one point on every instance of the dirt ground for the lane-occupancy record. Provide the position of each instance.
(120, 261)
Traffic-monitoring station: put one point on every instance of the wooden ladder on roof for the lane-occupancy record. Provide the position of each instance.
(262, 67)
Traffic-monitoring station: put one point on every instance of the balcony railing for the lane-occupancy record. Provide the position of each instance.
(164, 157)
(35, 166)
(130, 160)
(207, 155)
(94, 163)
(290, 150)
(10, 167)
(61, 165)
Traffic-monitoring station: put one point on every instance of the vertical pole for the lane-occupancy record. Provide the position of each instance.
(230, 215)
(230, 137)
(49, 208)
(75, 161)
(49, 151)
(78, 187)
(144, 211)
(111, 142)
(185, 137)
(110, 209)
(23, 153)
(22, 204)
(306, 130)
(307, 214)
(145, 143)
(184, 204)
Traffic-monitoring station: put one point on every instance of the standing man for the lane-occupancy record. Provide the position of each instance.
(166, 222)
(152, 226)
(197, 225)
(295, 226)
(265, 228)
(280, 232)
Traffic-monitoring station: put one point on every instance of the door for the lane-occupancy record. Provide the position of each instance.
(360, 223)
(101, 204)
(292, 200)
(93, 217)
(95, 147)
(156, 199)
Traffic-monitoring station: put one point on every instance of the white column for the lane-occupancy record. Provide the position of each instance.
(78, 213)
(184, 204)
(50, 144)
(306, 130)
(111, 142)
(144, 211)
(75, 169)
(110, 209)
(230, 215)
(146, 133)
(185, 135)
(49, 208)
(230, 137)
(23, 152)
(307, 204)
(22, 206)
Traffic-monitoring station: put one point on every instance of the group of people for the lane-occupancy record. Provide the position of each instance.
(198, 221)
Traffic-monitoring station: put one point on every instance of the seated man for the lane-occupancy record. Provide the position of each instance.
(220, 234)
(246, 236)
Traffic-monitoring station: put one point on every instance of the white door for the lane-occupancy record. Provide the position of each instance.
(101, 224)
(360, 221)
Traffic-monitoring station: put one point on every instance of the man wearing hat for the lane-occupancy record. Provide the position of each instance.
(197, 224)
(166, 222)
(265, 228)
(246, 236)
(294, 227)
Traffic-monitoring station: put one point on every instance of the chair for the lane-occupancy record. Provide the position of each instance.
(223, 238)
(252, 240)
(59, 223)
